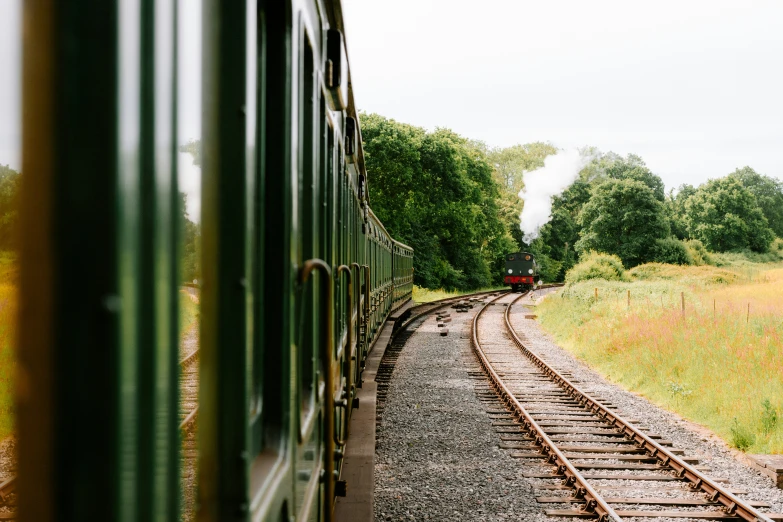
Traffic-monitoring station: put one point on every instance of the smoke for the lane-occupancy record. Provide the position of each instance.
(557, 174)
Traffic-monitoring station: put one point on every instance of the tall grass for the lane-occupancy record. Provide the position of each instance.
(188, 312)
(8, 310)
(718, 363)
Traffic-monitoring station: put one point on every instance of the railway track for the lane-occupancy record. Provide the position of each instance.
(188, 413)
(418, 314)
(602, 466)
(8, 498)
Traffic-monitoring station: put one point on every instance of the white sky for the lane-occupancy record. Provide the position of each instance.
(694, 87)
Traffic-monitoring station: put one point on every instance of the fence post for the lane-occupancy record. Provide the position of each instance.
(682, 298)
(596, 293)
(629, 299)
(747, 317)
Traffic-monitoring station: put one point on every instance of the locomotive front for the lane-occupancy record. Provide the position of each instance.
(521, 271)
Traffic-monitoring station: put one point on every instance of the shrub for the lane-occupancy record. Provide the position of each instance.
(596, 265)
(769, 417)
(670, 251)
(741, 437)
(698, 252)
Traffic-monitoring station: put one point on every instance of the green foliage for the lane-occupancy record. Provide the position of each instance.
(511, 163)
(671, 251)
(634, 168)
(698, 253)
(697, 276)
(741, 437)
(675, 210)
(769, 195)
(190, 255)
(9, 194)
(622, 217)
(769, 417)
(678, 391)
(724, 215)
(193, 147)
(595, 265)
(435, 191)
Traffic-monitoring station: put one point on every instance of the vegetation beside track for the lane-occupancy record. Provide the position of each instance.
(425, 295)
(8, 309)
(718, 363)
(188, 312)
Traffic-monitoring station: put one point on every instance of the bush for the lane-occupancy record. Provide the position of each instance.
(698, 252)
(670, 251)
(741, 437)
(596, 265)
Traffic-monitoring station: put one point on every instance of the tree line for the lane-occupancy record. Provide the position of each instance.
(455, 202)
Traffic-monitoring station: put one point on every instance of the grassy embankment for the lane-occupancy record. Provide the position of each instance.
(425, 295)
(8, 297)
(718, 363)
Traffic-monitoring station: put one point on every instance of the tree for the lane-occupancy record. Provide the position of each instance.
(9, 200)
(633, 167)
(724, 215)
(623, 217)
(675, 209)
(769, 195)
(512, 162)
(435, 191)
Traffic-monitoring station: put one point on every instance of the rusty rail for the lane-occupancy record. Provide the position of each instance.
(698, 481)
(594, 503)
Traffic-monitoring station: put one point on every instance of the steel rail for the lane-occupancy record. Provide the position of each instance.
(189, 357)
(189, 419)
(698, 481)
(594, 503)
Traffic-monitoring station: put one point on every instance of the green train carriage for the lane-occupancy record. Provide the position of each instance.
(298, 274)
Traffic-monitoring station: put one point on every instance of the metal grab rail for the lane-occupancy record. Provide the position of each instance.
(347, 363)
(326, 361)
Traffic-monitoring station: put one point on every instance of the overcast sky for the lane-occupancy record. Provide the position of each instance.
(694, 87)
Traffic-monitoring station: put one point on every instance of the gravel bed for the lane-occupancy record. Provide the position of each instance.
(7, 469)
(437, 455)
(723, 461)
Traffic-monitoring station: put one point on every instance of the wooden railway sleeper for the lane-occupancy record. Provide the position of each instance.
(682, 470)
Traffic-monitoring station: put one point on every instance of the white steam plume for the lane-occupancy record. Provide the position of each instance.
(557, 174)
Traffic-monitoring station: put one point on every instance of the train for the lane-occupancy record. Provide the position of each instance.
(521, 271)
(298, 274)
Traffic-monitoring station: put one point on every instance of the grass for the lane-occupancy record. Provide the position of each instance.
(718, 363)
(425, 295)
(188, 312)
(8, 310)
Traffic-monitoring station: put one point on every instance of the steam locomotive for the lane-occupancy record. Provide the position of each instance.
(521, 271)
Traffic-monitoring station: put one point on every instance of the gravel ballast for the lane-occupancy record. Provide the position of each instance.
(438, 456)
